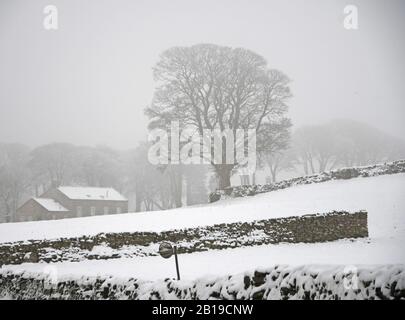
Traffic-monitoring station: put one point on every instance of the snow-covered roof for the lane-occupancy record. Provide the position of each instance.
(90, 193)
(50, 205)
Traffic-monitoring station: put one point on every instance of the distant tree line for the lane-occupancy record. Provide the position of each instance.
(319, 148)
(26, 172)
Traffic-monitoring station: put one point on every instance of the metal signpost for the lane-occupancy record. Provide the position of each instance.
(166, 250)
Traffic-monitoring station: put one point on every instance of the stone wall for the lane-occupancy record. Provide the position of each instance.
(278, 283)
(340, 174)
(308, 229)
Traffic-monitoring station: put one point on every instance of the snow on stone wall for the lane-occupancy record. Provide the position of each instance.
(344, 173)
(279, 282)
(308, 229)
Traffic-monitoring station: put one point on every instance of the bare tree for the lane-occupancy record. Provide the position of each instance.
(273, 141)
(359, 144)
(151, 184)
(283, 161)
(343, 143)
(14, 179)
(52, 165)
(214, 87)
(98, 167)
(315, 148)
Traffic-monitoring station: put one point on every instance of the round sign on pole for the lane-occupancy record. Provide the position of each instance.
(165, 250)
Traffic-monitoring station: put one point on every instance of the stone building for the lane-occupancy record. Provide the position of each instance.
(72, 202)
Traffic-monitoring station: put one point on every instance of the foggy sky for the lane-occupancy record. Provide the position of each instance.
(88, 82)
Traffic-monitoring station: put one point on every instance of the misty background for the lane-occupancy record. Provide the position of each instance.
(89, 82)
(82, 90)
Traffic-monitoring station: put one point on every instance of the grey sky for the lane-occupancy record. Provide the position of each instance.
(88, 82)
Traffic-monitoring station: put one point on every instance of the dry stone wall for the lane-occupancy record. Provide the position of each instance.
(307, 229)
(278, 282)
(341, 174)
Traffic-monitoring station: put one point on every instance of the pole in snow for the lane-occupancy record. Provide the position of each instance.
(166, 250)
(177, 262)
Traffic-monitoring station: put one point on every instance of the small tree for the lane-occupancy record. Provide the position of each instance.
(52, 165)
(14, 181)
(273, 142)
(98, 167)
(315, 148)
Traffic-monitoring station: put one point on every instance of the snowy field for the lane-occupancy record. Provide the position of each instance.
(231, 261)
(382, 196)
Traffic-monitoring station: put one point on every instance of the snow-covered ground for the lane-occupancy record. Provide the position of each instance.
(382, 196)
(231, 261)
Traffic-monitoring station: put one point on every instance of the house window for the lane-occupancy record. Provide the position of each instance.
(106, 210)
(93, 211)
(79, 211)
(118, 210)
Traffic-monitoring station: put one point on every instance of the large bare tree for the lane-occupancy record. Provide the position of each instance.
(215, 87)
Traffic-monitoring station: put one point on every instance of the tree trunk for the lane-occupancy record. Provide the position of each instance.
(179, 193)
(224, 173)
(312, 166)
(138, 197)
(305, 166)
(138, 203)
(8, 213)
(274, 175)
(176, 185)
(244, 180)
